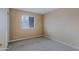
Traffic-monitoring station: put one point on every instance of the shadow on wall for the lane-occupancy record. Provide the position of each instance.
(63, 24)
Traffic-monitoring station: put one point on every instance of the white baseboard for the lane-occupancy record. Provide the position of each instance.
(25, 38)
(64, 43)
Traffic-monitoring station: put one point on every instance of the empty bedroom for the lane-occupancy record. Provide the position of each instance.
(39, 29)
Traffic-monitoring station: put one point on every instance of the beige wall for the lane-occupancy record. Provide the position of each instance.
(63, 25)
(16, 30)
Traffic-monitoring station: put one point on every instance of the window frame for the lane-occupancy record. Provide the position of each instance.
(29, 19)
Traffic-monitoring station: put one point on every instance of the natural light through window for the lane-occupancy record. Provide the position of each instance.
(27, 22)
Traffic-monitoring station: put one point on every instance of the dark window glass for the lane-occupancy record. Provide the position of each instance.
(31, 21)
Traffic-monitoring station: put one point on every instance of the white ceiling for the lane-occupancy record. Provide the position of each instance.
(37, 10)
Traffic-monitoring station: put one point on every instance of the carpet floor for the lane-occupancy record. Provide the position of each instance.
(39, 44)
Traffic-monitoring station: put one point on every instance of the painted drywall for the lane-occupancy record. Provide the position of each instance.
(63, 25)
(0, 27)
(4, 27)
(37, 10)
(16, 31)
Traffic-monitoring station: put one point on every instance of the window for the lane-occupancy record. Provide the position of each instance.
(27, 22)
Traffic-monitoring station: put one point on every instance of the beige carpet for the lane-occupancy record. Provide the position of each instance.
(39, 44)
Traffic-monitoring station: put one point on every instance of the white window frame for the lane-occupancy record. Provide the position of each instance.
(27, 27)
